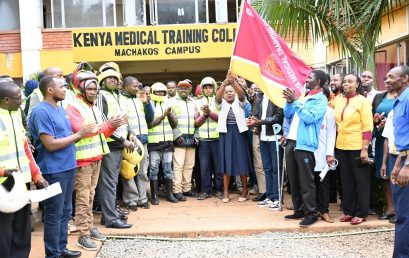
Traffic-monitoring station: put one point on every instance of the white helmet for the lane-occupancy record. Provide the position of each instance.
(208, 81)
(17, 198)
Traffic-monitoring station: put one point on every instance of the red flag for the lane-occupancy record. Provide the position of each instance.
(260, 55)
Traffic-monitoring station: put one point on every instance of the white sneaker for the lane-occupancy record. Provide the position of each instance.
(265, 202)
(275, 206)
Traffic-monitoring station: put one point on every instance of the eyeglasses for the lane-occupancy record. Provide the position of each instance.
(366, 76)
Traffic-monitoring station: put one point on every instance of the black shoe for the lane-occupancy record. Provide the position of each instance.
(190, 193)
(180, 197)
(70, 254)
(295, 216)
(260, 197)
(393, 219)
(133, 207)
(308, 221)
(385, 216)
(203, 196)
(144, 205)
(119, 224)
(123, 218)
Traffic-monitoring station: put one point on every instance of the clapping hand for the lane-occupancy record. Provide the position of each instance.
(289, 95)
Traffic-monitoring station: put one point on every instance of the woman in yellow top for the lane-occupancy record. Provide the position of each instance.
(353, 114)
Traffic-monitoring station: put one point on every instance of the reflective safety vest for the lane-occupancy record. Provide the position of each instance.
(93, 146)
(163, 131)
(115, 108)
(136, 114)
(184, 112)
(208, 130)
(12, 140)
(37, 92)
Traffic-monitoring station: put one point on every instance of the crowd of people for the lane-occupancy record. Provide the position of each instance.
(107, 140)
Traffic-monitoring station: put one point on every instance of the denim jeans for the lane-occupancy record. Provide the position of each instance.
(269, 157)
(208, 156)
(57, 211)
(155, 158)
(394, 187)
(401, 201)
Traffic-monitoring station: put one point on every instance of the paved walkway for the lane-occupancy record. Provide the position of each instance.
(208, 218)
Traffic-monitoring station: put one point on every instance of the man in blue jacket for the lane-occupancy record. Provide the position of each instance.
(302, 140)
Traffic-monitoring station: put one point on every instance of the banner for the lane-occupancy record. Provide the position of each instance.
(192, 41)
(260, 55)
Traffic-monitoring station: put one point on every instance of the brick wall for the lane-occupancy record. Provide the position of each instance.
(56, 39)
(10, 41)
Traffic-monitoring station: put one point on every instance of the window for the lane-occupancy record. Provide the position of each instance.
(181, 11)
(80, 13)
(134, 12)
(10, 15)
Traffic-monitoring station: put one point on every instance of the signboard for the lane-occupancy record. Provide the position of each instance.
(193, 41)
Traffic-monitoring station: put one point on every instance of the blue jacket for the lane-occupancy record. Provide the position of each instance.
(311, 114)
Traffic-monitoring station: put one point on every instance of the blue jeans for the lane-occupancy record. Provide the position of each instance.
(155, 158)
(401, 246)
(57, 211)
(269, 158)
(395, 188)
(209, 156)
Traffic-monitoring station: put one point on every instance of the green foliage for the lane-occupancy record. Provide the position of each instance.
(351, 25)
(34, 76)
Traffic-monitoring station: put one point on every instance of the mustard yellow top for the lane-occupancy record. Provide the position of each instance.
(354, 121)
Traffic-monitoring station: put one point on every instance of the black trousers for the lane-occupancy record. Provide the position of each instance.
(356, 183)
(323, 189)
(15, 230)
(15, 236)
(300, 170)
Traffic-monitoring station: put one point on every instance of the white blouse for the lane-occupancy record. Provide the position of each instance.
(238, 108)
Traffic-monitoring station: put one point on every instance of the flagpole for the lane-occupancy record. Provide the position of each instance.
(237, 30)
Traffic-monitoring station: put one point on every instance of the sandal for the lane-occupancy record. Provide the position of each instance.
(356, 220)
(243, 199)
(346, 218)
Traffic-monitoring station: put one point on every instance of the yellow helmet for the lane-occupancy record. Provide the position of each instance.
(132, 160)
(109, 66)
(158, 86)
(108, 73)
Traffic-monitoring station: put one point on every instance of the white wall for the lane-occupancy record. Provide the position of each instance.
(30, 31)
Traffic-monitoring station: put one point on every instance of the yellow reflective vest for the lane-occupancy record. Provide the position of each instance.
(12, 140)
(115, 108)
(208, 130)
(184, 111)
(136, 114)
(163, 131)
(93, 146)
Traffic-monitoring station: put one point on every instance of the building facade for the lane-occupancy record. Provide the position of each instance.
(155, 40)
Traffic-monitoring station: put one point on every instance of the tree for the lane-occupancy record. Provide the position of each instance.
(351, 25)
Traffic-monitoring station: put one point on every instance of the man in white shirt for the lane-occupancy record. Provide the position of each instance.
(367, 78)
(266, 114)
